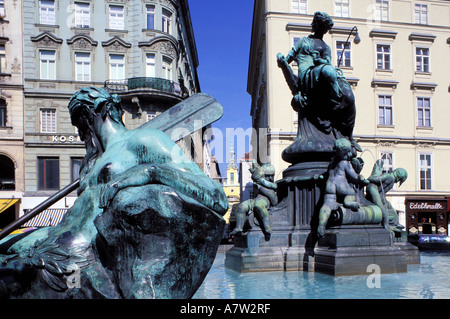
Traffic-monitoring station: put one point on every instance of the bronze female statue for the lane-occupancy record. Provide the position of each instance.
(321, 95)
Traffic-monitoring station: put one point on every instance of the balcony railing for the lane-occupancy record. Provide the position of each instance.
(143, 83)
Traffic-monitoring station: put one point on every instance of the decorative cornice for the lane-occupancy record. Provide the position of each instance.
(47, 39)
(163, 43)
(302, 27)
(352, 81)
(382, 34)
(82, 41)
(115, 41)
(422, 37)
(384, 83)
(423, 86)
(340, 30)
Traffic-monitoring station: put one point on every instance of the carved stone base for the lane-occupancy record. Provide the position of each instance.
(252, 253)
(349, 250)
(293, 246)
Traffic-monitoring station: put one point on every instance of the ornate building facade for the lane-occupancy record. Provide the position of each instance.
(11, 111)
(143, 50)
(399, 74)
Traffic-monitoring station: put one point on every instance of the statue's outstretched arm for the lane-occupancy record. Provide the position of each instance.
(264, 182)
(354, 177)
(201, 188)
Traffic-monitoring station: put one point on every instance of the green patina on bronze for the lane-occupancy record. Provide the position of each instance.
(147, 221)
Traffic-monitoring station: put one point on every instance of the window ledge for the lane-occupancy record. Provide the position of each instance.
(82, 29)
(43, 25)
(384, 83)
(424, 128)
(383, 126)
(116, 30)
(384, 70)
(422, 73)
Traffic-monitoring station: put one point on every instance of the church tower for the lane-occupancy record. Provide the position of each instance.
(231, 185)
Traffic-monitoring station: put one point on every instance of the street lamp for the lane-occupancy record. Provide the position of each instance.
(356, 40)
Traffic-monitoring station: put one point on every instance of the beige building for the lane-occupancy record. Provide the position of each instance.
(400, 77)
(11, 111)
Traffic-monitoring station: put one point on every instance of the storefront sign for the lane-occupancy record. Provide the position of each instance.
(434, 239)
(426, 206)
(66, 139)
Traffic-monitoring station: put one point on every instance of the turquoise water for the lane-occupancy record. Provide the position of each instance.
(428, 280)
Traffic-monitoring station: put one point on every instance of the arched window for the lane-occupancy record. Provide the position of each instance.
(7, 174)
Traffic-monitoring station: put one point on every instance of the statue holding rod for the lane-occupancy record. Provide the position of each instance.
(321, 95)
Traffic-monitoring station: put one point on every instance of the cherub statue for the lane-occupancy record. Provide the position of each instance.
(380, 184)
(263, 178)
(339, 189)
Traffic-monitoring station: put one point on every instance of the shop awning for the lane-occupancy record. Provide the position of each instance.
(49, 217)
(7, 203)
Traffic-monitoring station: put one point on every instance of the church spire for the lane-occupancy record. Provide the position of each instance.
(232, 158)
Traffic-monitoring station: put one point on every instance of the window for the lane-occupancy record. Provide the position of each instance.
(47, 65)
(48, 173)
(75, 165)
(346, 58)
(82, 15)
(167, 68)
(422, 60)
(2, 58)
(423, 112)
(151, 17)
(150, 69)
(48, 121)
(2, 113)
(383, 57)
(388, 163)
(382, 10)
(342, 8)
(421, 13)
(116, 67)
(82, 66)
(385, 110)
(7, 174)
(231, 178)
(166, 21)
(47, 12)
(116, 18)
(425, 171)
(2, 8)
(151, 115)
(299, 6)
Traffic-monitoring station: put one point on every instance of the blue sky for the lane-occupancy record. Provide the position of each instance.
(222, 32)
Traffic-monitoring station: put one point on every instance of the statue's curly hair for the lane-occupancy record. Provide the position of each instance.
(342, 144)
(323, 20)
(97, 100)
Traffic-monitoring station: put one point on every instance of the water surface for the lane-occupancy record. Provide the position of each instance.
(428, 280)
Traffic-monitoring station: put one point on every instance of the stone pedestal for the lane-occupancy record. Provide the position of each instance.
(350, 249)
(411, 252)
(344, 250)
(291, 245)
